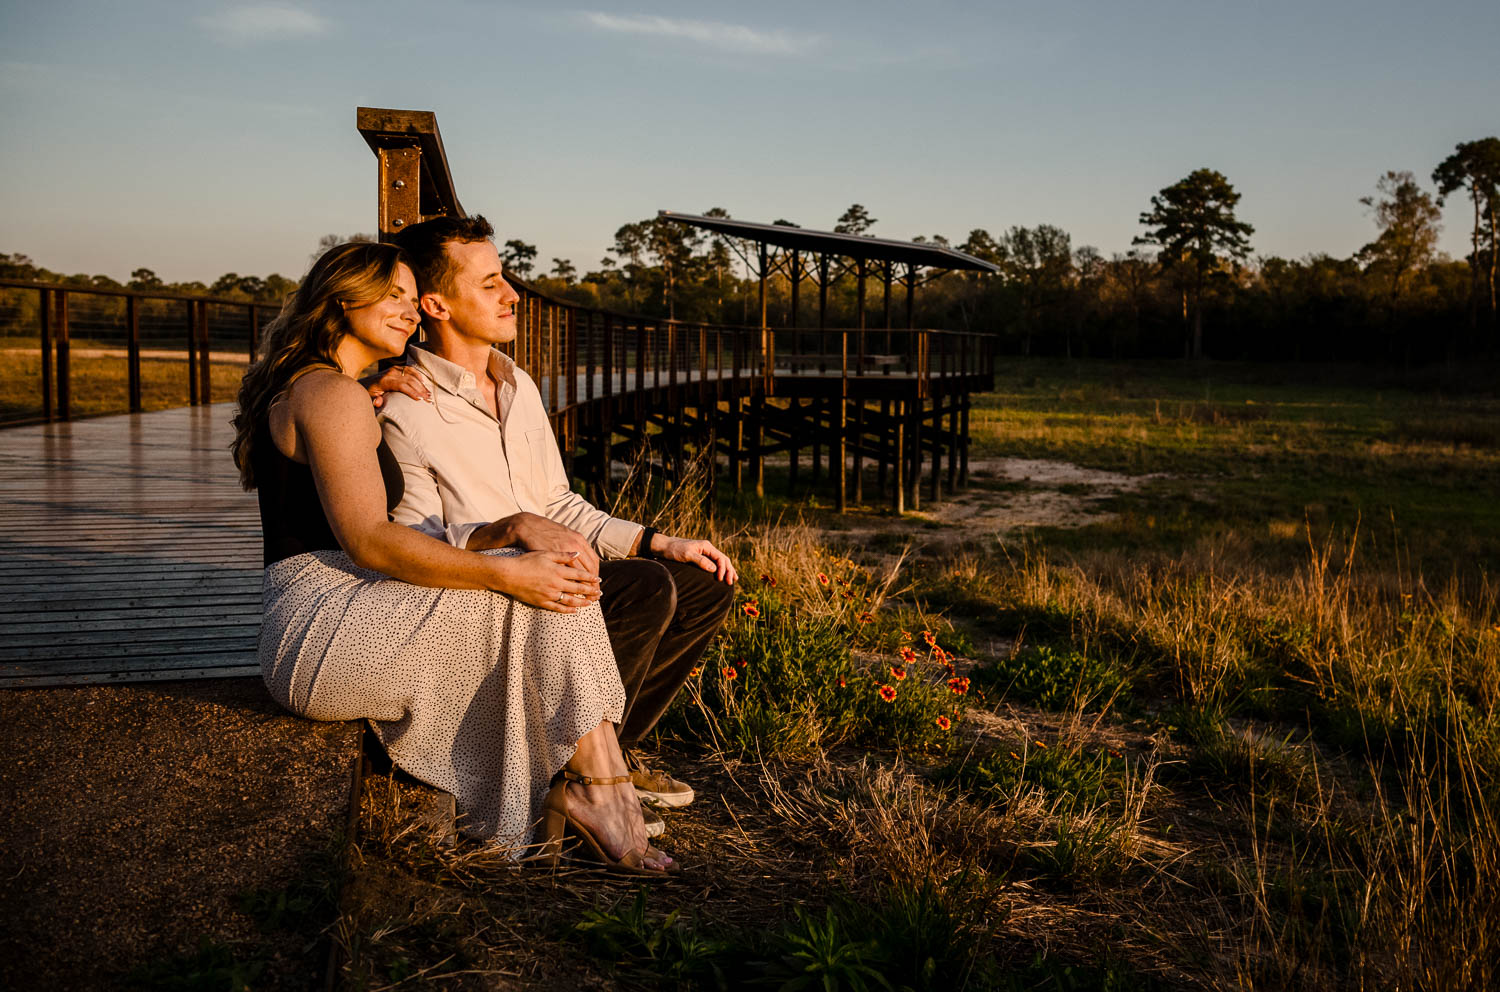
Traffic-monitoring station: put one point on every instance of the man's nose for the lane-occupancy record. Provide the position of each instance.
(510, 295)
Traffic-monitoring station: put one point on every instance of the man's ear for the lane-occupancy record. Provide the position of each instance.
(433, 305)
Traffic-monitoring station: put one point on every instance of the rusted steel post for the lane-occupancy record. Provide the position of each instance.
(400, 187)
(822, 310)
(914, 434)
(860, 272)
(889, 268)
(192, 353)
(133, 354)
(796, 285)
(64, 360)
(44, 326)
(963, 440)
(640, 368)
(205, 378)
(898, 461)
(609, 358)
(588, 380)
(702, 368)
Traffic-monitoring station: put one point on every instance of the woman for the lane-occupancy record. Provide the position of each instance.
(467, 688)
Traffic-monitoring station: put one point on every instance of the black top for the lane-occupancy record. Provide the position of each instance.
(291, 516)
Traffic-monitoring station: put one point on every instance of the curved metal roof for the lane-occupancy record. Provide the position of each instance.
(833, 243)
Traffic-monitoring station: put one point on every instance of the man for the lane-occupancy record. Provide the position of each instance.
(483, 470)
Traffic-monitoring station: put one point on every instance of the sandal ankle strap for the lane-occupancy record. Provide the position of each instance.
(573, 776)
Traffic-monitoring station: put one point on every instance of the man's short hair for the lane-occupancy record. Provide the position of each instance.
(426, 244)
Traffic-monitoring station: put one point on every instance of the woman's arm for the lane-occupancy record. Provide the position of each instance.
(337, 431)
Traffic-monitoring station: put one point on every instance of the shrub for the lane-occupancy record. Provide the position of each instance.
(781, 683)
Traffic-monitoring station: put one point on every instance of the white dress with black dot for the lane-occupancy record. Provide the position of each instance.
(468, 690)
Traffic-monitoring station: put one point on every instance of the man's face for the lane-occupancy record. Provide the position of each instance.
(481, 305)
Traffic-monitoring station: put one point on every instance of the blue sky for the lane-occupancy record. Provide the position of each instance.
(202, 138)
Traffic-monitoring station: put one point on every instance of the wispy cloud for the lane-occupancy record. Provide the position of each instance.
(715, 34)
(252, 23)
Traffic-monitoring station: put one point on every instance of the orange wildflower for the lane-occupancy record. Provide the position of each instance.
(898, 672)
(909, 656)
(867, 617)
(888, 693)
(943, 722)
(768, 579)
(1040, 745)
(729, 673)
(959, 686)
(823, 578)
(949, 667)
(751, 609)
(842, 682)
(931, 641)
(1015, 756)
(696, 672)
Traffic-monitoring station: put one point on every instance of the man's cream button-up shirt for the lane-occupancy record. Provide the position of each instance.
(464, 469)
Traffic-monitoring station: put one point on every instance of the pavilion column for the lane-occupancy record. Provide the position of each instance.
(888, 439)
(861, 273)
(758, 402)
(791, 448)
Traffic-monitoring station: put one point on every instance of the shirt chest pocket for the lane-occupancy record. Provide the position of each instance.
(532, 474)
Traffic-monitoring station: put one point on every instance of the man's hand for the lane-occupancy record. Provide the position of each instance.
(536, 533)
(397, 378)
(700, 553)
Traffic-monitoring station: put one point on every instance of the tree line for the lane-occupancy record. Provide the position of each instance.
(1189, 286)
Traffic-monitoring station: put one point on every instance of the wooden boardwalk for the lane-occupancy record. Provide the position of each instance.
(128, 551)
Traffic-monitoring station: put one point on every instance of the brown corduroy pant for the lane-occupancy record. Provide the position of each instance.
(660, 616)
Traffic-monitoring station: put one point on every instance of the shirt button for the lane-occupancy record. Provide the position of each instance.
(468, 379)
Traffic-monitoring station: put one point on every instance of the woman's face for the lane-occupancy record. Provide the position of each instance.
(384, 326)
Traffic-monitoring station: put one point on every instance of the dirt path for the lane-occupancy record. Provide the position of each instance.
(1006, 495)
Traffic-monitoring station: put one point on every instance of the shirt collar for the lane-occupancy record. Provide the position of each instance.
(450, 375)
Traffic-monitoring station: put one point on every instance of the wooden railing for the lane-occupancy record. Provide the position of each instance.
(117, 333)
(578, 355)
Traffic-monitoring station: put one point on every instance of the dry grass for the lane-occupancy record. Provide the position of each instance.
(1194, 764)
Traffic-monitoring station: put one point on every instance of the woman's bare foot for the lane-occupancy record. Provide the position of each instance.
(613, 816)
(611, 813)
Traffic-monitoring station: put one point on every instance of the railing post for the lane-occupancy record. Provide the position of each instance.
(64, 364)
(133, 352)
(254, 332)
(44, 319)
(205, 379)
(192, 353)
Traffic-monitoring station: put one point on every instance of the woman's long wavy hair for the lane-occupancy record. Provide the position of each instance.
(309, 328)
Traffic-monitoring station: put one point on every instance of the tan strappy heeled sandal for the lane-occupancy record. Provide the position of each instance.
(557, 822)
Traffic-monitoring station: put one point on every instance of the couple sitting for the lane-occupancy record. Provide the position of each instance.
(433, 571)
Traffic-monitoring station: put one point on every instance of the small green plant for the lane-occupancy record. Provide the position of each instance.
(212, 967)
(817, 954)
(781, 683)
(932, 934)
(1080, 848)
(1055, 679)
(1067, 773)
(669, 946)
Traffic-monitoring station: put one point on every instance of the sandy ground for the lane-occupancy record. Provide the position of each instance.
(1042, 503)
(1005, 496)
(136, 817)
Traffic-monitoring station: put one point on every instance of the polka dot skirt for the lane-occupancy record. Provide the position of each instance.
(469, 691)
